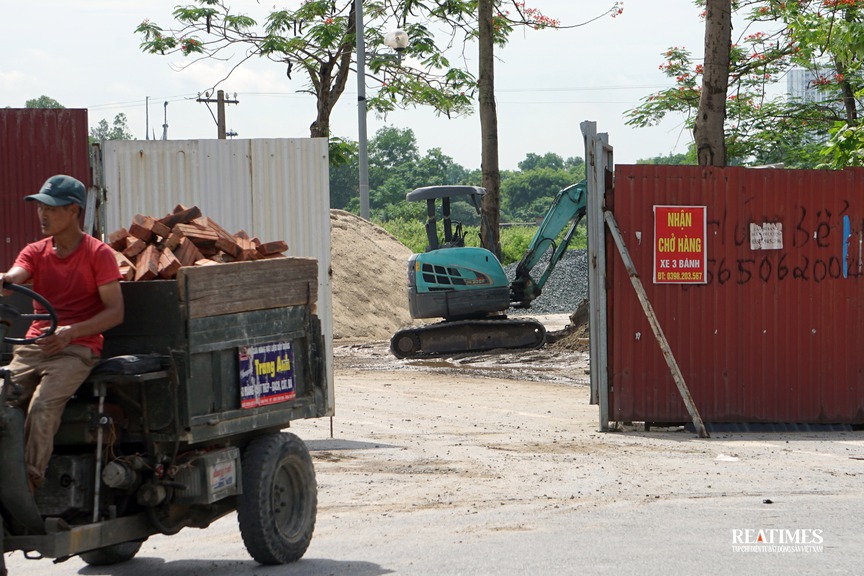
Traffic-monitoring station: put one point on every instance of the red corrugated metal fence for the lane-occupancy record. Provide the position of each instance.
(775, 335)
(35, 144)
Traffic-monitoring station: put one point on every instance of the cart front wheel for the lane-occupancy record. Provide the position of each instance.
(277, 508)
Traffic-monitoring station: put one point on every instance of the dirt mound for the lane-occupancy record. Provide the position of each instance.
(368, 279)
(575, 336)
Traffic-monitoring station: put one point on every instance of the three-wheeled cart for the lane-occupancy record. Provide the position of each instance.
(182, 421)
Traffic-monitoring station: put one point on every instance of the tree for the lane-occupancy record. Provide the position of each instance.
(527, 194)
(43, 102)
(344, 174)
(393, 147)
(534, 161)
(317, 39)
(118, 131)
(688, 158)
(825, 38)
(493, 27)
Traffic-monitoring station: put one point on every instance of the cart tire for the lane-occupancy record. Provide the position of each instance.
(114, 554)
(277, 508)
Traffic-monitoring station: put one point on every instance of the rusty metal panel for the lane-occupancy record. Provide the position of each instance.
(275, 189)
(35, 144)
(776, 333)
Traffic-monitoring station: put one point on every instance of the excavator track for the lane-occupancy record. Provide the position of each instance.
(466, 336)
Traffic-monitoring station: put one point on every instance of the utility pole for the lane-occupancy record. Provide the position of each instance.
(220, 110)
(165, 124)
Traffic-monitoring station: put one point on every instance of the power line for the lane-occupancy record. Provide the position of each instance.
(176, 98)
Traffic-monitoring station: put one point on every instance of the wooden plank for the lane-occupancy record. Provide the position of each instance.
(203, 238)
(117, 239)
(225, 241)
(211, 224)
(181, 215)
(249, 255)
(147, 265)
(273, 248)
(142, 227)
(122, 260)
(168, 265)
(159, 229)
(187, 252)
(173, 240)
(243, 286)
(229, 246)
(127, 273)
(134, 248)
(246, 328)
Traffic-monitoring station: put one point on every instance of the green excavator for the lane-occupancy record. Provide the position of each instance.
(467, 286)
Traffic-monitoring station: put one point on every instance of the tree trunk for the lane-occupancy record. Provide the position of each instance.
(329, 81)
(850, 104)
(709, 131)
(488, 128)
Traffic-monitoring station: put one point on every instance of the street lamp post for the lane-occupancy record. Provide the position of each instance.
(398, 41)
(362, 149)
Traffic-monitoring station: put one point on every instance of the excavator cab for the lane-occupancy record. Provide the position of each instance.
(451, 280)
(454, 236)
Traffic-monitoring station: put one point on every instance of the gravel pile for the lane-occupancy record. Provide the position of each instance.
(566, 287)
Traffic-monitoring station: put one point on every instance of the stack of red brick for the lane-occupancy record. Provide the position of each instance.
(156, 248)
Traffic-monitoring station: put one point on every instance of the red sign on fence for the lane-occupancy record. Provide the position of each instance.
(679, 245)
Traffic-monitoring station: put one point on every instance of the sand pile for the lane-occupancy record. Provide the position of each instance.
(369, 279)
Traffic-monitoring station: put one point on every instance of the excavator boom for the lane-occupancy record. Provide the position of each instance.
(569, 206)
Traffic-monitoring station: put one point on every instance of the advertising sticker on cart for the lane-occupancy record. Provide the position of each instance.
(266, 374)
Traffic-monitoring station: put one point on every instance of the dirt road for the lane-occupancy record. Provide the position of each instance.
(488, 465)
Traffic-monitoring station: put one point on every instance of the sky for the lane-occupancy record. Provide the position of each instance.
(85, 54)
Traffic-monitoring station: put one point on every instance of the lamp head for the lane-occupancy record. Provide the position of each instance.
(397, 40)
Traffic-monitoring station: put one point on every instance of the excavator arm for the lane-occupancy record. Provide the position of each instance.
(568, 206)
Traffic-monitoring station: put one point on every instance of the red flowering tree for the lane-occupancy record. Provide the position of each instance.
(825, 38)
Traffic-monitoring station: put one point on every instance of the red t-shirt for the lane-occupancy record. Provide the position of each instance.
(70, 284)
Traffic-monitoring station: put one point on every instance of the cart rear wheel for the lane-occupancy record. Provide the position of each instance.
(111, 554)
(277, 508)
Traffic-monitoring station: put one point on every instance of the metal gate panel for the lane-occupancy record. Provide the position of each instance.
(774, 335)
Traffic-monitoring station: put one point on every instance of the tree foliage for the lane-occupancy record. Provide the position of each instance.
(119, 130)
(397, 166)
(43, 102)
(316, 41)
(823, 37)
(686, 159)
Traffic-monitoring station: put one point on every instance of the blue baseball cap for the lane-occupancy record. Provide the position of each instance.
(60, 190)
